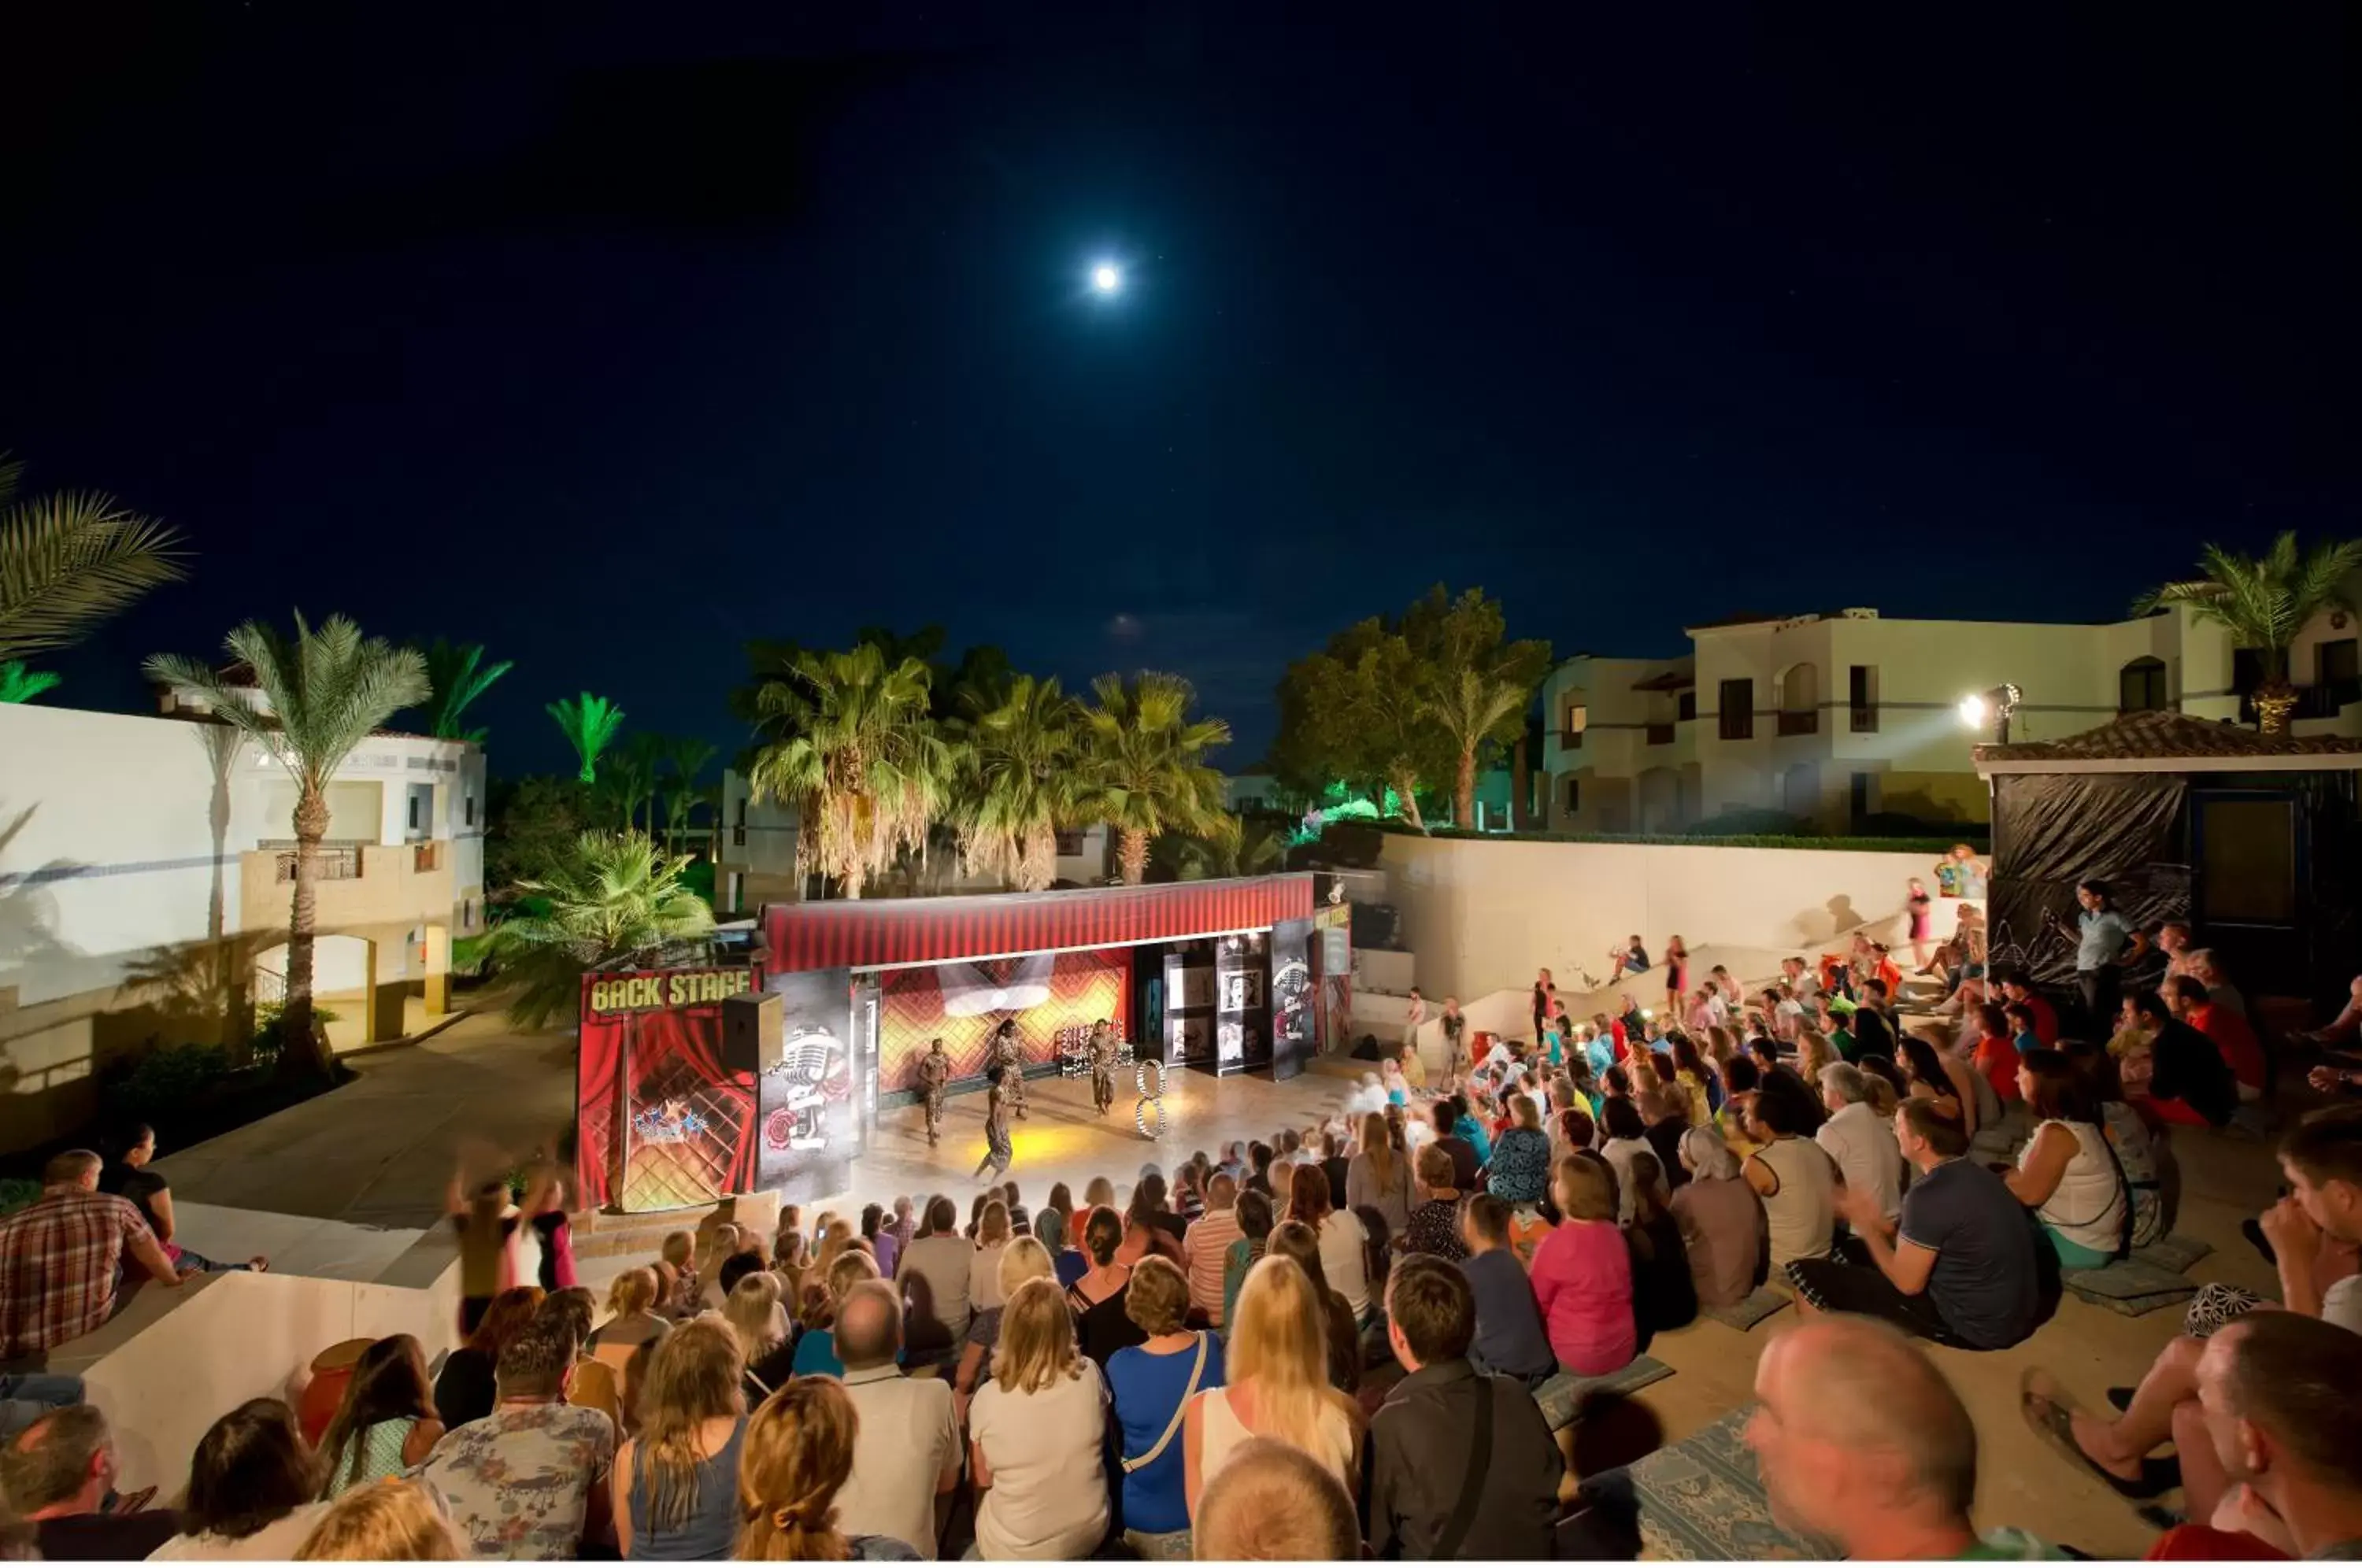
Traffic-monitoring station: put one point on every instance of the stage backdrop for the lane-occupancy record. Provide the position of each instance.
(661, 1121)
(1053, 997)
(811, 1122)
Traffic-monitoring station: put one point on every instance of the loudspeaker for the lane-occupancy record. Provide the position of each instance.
(753, 1025)
(1376, 925)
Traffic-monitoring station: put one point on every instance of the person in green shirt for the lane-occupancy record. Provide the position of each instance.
(1831, 1020)
(1862, 1444)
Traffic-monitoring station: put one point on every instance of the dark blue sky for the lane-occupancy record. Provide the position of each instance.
(612, 337)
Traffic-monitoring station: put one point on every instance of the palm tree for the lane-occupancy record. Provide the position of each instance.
(1469, 709)
(1017, 779)
(1230, 847)
(18, 684)
(615, 901)
(68, 561)
(861, 762)
(1144, 763)
(589, 723)
(635, 765)
(459, 676)
(2263, 602)
(688, 756)
(326, 689)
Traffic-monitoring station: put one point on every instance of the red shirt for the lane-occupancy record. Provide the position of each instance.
(57, 1261)
(1997, 1059)
(2234, 1037)
(2046, 1019)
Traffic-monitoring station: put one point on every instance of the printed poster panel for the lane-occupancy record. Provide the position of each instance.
(812, 1126)
(661, 1120)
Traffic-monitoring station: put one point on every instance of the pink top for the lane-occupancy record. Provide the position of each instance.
(1582, 1282)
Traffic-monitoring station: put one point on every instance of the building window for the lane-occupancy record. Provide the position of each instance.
(1569, 732)
(1862, 699)
(1858, 804)
(1070, 842)
(738, 828)
(2337, 671)
(1574, 795)
(414, 814)
(470, 804)
(1685, 706)
(2140, 686)
(1738, 710)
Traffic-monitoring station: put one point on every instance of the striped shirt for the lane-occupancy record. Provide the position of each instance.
(58, 1262)
(1203, 1250)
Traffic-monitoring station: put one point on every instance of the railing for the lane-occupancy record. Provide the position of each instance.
(1737, 726)
(2324, 701)
(1806, 723)
(1864, 721)
(1660, 735)
(340, 863)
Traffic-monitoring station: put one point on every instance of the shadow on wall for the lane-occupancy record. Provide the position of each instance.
(1841, 916)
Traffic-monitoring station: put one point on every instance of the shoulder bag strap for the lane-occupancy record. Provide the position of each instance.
(1196, 1371)
(1471, 1489)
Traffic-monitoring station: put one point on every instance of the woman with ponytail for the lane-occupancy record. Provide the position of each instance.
(798, 1455)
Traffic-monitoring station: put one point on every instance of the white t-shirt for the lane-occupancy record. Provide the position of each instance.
(1343, 1260)
(2342, 1304)
(1862, 1143)
(1049, 1493)
(275, 1541)
(908, 1437)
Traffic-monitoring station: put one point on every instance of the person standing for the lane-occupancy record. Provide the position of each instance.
(2104, 947)
(1102, 1066)
(1677, 974)
(935, 1080)
(1010, 1056)
(997, 1154)
(1922, 922)
(1414, 1016)
(1454, 1028)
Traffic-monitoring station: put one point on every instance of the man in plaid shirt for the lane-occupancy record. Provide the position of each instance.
(60, 1258)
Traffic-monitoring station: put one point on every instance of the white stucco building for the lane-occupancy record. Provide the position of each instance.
(146, 872)
(1837, 716)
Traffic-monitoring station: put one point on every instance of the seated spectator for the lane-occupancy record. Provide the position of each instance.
(1435, 1220)
(677, 1295)
(1295, 1241)
(1796, 1179)
(2067, 1173)
(1508, 1333)
(386, 1422)
(2233, 1036)
(2143, 1156)
(531, 1479)
(1206, 1245)
(1721, 1220)
(1151, 1385)
(1625, 1134)
(1254, 1236)
(2189, 1082)
(1278, 1385)
(1583, 1275)
(466, 1391)
(396, 1521)
(1461, 1462)
(800, 1450)
(677, 1478)
(1861, 1440)
(1101, 1325)
(1960, 1269)
(767, 1345)
(26, 1397)
(132, 1174)
(1342, 1240)
(1520, 1169)
(57, 1473)
(1933, 1074)
(251, 1487)
(1995, 1057)
(595, 1386)
(932, 1273)
(1859, 1141)
(1663, 1295)
(1020, 1260)
(992, 1236)
(632, 1317)
(885, 1240)
(1034, 1436)
(2276, 1394)
(1451, 1137)
(1276, 1504)
(906, 1455)
(61, 1255)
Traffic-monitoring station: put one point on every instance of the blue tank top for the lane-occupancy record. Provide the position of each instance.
(711, 1528)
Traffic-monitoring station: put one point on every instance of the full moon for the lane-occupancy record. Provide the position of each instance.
(1107, 278)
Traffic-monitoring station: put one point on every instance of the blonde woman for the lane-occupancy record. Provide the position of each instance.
(984, 1268)
(1022, 1259)
(632, 1317)
(1378, 1176)
(835, 1236)
(791, 1260)
(1813, 1051)
(798, 1456)
(675, 1487)
(767, 1348)
(816, 1350)
(720, 1245)
(674, 1274)
(1278, 1387)
(1034, 1436)
(392, 1520)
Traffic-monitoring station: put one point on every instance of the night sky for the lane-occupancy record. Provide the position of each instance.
(612, 337)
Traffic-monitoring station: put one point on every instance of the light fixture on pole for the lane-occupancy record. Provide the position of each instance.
(1997, 704)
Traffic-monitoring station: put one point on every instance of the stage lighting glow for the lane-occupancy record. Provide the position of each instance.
(1107, 278)
(1972, 711)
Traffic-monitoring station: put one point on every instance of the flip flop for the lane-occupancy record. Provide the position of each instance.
(2050, 1420)
(2121, 1397)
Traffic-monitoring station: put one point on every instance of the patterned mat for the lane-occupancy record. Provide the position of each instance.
(1701, 1500)
(1760, 1303)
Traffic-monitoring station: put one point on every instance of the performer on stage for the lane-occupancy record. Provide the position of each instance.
(934, 1078)
(1102, 1066)
(997, 1153)
(1010, 1058)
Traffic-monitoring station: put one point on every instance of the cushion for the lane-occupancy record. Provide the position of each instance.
(1758, 1306)
(2175, 1251)
(1701, 1499)
(2130, 1286)
(1561, 1397)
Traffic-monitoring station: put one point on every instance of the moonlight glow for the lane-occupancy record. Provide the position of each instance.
(1107, 278)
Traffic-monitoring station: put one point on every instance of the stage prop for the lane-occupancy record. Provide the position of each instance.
(1293, 1040)
(662, 1120)
(1052, 997)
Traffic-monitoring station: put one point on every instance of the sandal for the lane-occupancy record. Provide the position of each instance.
(2051, 1419)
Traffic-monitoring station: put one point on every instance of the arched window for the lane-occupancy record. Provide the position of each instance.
(2140, 686)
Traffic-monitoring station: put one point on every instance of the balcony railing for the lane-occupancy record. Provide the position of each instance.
(330, 863)
(1806, 723)
(1570, 740)
(2324, 701)
(1864, 721)
(1660, 735)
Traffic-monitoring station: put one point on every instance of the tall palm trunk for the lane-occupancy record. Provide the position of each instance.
(1463, 792)
(300, 1043)
(1407, 792)
(1131, 856)
(1038, 867)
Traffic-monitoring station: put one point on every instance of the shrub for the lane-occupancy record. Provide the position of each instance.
(17, 1192)
(166, 1081)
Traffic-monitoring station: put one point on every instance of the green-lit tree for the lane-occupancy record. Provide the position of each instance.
(1355, 714)
(588, 723)
(1143, 763)
(687, 757)
(18, 684)
(459, 676)
(1474, 684)
(69, 560)
(2263, 602)
(323, 691)
(1018, 781)
(614, 901)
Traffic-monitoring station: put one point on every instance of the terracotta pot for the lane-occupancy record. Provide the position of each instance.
(332, 1373)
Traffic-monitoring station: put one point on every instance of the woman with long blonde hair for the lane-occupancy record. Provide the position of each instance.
(392, 1520)
(1377, 1176)
(1035, 1433)
(1022, 1259)
(798, 1456)
(674, 1490)
(992, 1231)
(1278, 1367)
(632, 1319)
(755, 1315)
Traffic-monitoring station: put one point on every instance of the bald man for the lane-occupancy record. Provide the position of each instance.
(1861, 1441)
(1275, 1502)
(907, 1454)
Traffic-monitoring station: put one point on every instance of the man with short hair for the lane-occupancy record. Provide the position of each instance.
(1461, 1462)
(2277, 1393)
(1207, 1243)
(1961, 1268)
(2173, 941)
(57, 1473)
(1510, 1338)
(1275, 1502)
(531, 1479)
(906, 1455)
(1861, 1141)
(2194, 1002)
(1446, 1115)
(1859, 1438)
(61, 1256)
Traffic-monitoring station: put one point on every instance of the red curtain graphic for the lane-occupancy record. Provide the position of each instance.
(660, 1121)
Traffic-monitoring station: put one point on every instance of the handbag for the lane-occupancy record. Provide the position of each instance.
(1179, 1409)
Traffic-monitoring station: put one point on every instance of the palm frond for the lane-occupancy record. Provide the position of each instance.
(588, 723)
(18, 684)
(459, 676)
(69, 560)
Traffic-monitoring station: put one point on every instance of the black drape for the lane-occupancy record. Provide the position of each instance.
(2052, 830)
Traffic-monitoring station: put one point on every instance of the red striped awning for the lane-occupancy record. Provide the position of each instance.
(871, 933)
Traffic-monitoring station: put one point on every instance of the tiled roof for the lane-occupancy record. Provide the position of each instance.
(2167, 736)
